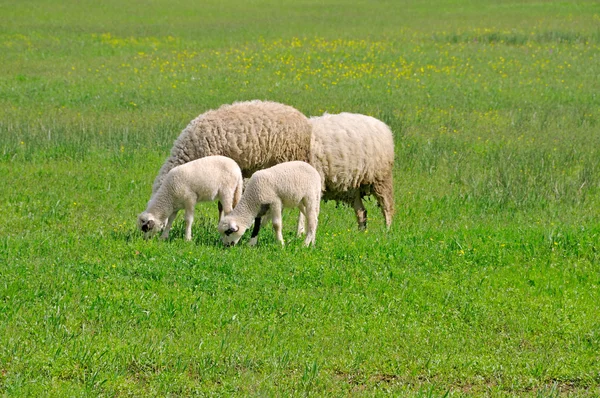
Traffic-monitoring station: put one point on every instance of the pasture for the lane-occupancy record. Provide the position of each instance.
(488, 282)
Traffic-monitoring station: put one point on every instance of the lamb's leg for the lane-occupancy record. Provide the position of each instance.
(312, 214)
(165, 233)
(220, 207)
(301, 220)
(254, 237)
(384, 192)
(189, 219)
(237, 194)
(277, 221)
(257, 221)
(361, 212)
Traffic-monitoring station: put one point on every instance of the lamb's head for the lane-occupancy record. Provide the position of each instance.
(148, 224)
(230, 231)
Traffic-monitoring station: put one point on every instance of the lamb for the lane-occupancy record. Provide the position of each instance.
(289, 184)
(354, 155)
(256, 134)
(201, 180)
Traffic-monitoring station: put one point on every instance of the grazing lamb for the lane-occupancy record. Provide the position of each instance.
(355, 156)
(256, 134)
(290, 184)
(202, 180)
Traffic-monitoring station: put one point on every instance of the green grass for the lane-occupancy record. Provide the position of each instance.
(487, 284)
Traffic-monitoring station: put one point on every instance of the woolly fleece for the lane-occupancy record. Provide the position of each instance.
(201, 180)
(354, 154)
(289, 184)
(256, 134)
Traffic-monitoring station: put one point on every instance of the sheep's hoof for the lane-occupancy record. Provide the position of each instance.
(252, 242)
(309, 242)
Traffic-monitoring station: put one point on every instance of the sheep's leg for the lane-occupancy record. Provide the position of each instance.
(312, 214)
(220, 207)
(237, 194)
(361, 212)
(254, 237)
(384, 192)
(189, 219)
(225, 207)
(257, 221)
(277, 221)
(165, 233)
(301, 219)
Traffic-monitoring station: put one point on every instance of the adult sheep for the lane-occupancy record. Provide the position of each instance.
(354, 154)
(256, 134)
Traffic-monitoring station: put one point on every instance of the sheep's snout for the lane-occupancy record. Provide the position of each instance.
(230, 232)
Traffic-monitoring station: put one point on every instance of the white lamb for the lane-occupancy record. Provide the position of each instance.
(201, 180)
(289, 184)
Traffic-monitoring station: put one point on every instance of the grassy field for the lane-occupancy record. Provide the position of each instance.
(488, 282)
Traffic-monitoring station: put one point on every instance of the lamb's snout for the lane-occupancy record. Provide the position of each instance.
(229, 240)
(148, 226)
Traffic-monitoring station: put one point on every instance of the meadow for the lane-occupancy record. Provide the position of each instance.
(487, 284)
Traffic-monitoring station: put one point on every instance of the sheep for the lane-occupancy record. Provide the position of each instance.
(201, 180)
(256, 134)
(354, 154)
(289, 184)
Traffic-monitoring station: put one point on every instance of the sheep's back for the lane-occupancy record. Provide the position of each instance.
(256, 134)
(351, 150)
(290, 181)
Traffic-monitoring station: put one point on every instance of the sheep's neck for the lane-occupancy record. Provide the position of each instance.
(247, 210)
(161, 205)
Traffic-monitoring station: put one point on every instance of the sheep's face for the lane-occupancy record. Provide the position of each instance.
(148, 224)
(230, 232)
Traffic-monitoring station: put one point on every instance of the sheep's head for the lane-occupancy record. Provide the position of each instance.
(148, 224)
(230, 231)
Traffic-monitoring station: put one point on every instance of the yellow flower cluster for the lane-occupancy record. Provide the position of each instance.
(321, 62)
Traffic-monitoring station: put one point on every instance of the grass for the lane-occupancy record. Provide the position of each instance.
(487, 283)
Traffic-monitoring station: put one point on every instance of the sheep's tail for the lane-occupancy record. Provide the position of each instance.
(237, 195)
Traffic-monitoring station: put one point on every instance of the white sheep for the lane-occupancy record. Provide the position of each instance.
(354, 154)
(256, 134)
(202, 180)
(289, 184)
